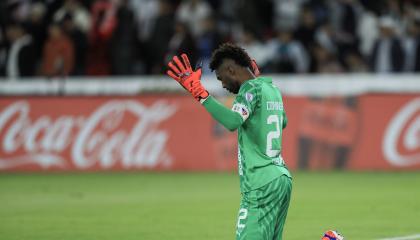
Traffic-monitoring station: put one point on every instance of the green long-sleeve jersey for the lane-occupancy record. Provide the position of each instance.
(259, 116)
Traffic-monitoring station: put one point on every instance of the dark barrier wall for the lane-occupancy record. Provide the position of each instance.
(172, 132)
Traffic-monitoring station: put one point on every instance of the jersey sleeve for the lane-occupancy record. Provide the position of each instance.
(225, 116)
(246, 101)
(284, 120)
(243, 106)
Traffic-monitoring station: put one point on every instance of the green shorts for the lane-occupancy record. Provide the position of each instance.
(263, 211)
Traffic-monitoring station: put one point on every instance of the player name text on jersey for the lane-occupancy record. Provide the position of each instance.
(277, 106)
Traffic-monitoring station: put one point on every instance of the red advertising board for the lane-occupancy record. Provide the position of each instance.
(171, 132)
(367, 132)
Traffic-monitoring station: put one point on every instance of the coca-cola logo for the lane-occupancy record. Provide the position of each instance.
(124, 132)
(401, 144)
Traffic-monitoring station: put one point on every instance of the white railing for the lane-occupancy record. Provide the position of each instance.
(295, 85)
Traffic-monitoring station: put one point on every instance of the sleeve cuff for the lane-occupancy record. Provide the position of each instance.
(204, 99)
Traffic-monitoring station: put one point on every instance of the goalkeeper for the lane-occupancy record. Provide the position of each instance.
(258, 115)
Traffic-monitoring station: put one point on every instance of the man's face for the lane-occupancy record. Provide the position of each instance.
(226, 74)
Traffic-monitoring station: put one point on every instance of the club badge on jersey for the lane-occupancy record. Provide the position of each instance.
(249, 96)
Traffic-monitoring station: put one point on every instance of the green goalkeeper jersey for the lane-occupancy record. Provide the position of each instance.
(259, 116)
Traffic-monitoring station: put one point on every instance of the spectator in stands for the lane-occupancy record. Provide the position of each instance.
(286, 13)
(182, 42)
(248, 16)
(134, 36)
(193, 12)
(388, 53)
(411, 43)
(255, 48)
(146, 12)
(320, 10)
(394, 9)
(376, 7)
(17, 10)
(80, 15)
(58, 58)
(3, 52)
(209, 40)
(325, 36)
(225, 16)
(80, 45)
(367, 32)
(20, 53)
(3, 14)
(123, 45)
(160, 37)
(287, 54)
(325, 61)
(36, 26)
(103, 25)
(3, 41)
(305, 33)
(355, 63)
(345, 15)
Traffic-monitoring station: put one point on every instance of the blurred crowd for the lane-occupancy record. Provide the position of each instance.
(137, 37)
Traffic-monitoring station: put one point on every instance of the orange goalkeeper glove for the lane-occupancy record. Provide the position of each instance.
(189, 79)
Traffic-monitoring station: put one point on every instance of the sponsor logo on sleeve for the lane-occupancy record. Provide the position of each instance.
(242, 110)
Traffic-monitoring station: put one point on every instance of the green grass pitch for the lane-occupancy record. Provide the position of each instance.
(179, 206)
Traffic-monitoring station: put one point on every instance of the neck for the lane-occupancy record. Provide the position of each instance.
(246, 75)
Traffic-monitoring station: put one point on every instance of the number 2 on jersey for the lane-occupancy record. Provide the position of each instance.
(274, 135)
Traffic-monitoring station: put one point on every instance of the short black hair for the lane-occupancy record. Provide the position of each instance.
(230, 51)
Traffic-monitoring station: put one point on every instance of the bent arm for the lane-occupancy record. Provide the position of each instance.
(225, 116)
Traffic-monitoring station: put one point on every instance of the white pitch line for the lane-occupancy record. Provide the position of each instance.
(412, 237)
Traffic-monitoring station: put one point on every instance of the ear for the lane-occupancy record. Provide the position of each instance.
(231, 70)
